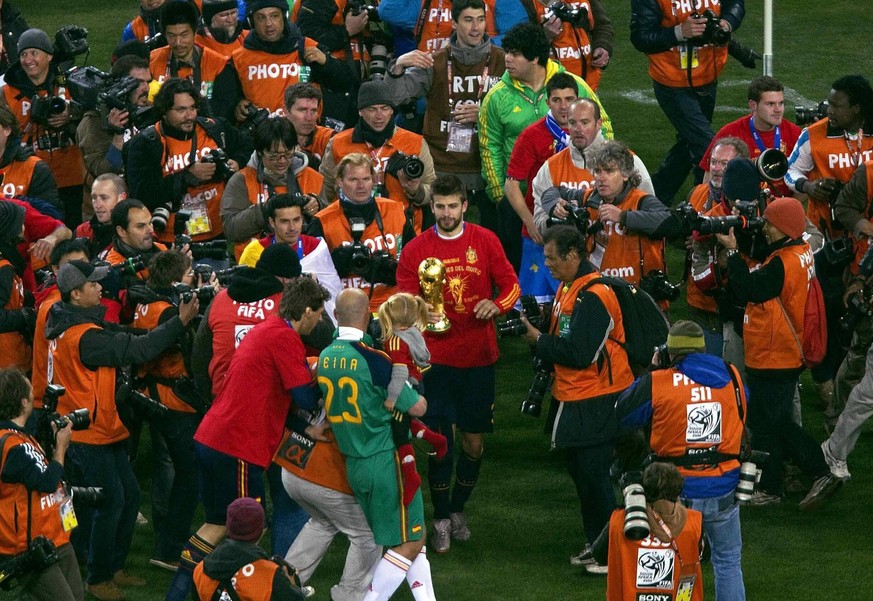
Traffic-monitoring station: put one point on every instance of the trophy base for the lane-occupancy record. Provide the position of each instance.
(441, 326)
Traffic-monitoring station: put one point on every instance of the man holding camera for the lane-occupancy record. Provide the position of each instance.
(134, 238)
(86, 353)
(404, 168)
(764, 128)
(686, 55)
(278, 167)
(580, 35)
(274, 55)
(775, 295)
(166, 379)
(479, 286)
(23, 173)
(363, 231)
(584, 344)
(40, 104)
(695, 404)
(183, 162)
(34, 498)
(102, 137)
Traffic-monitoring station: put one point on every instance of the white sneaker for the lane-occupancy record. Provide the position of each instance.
(584, 557)
(838, 468)
(441, 538)
(460, 530)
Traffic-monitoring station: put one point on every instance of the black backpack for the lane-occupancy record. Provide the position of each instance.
(645, 325)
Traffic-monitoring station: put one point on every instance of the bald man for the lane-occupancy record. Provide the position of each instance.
(354, 378)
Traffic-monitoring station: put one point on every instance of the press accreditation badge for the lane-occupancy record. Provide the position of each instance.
(683, 57)
(65, 506)
(460, 137)
(564, 326)
(686, 587)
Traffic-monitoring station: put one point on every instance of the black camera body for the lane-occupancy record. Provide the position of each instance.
(49, 416)
(577, 17)
(70, 41)
(130, 266)
(126, 394)
(254, 116)
(186, 293)
(40, 554)
(805, 115)
(515, 327)
(713, 34)
(219, 158)
(663, 355)
(43, 108)
(357, 7)
(659, 287)
(411, 165)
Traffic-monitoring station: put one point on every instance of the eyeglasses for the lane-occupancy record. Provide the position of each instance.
(278, 156)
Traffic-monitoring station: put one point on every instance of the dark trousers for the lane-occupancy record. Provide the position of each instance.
(690, 111)
(174, 482)
(773, 431)
(114, 518)
(589, 469)
(509, 231)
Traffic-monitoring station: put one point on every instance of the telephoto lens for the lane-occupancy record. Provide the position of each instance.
(636, 522)
(746, 485)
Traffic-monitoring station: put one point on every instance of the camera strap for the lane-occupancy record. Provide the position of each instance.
(422, 19)
(745, 445)
(173, 67)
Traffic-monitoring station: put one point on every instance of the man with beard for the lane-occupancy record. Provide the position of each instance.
(473, 63)
(134, 236)
(377, 136)
(275, 55)
(168, 165)
(459, 384)
(221, 29)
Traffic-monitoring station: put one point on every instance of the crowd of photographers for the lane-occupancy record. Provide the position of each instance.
(157, 212)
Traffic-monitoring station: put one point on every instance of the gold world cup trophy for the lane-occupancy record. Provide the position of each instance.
(432, 278)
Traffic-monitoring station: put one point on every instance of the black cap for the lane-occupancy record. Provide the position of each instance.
(741, 180)
(280, 260)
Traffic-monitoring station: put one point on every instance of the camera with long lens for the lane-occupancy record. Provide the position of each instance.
(378, 61)
(749, 475)
(254, 116)
(805, 115)
(659, 287)
(130, 266)
(577, 17)
(43, 108)
(636, 522)
(219, 158)
(212, 249)
(713, 34)
(533, 402)
(87, 495)
(411, 165)
(186, 293)
(54, 140)
(749, 219)
(49, 416)
(223, 276)
(515, 326)
(127, 395)
(40, 554)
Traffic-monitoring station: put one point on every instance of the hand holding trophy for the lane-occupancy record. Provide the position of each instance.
(432, 278)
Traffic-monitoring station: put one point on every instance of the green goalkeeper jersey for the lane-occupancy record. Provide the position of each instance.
(354, 379)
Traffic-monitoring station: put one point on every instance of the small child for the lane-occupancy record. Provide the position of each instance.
(402, 318)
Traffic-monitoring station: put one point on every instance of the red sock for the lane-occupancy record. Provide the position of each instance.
(436, 440)
(411, 479)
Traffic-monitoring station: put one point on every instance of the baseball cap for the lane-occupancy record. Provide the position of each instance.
(75, 273)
